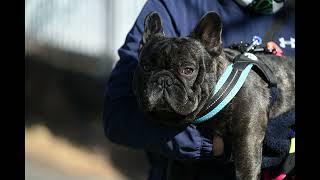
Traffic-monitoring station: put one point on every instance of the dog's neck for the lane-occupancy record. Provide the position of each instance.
(222, 61)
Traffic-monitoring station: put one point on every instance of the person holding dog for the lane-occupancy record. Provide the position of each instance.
(125, 124)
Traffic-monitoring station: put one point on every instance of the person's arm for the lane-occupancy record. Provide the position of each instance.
(125, 124)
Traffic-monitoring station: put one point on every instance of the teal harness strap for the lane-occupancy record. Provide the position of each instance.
(231, 94)
(223, 79)
(230, 82)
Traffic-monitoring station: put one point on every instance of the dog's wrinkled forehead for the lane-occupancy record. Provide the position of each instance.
(206, 35)
(172, 49)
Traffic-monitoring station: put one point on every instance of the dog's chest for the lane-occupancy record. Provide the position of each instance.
(218, 125)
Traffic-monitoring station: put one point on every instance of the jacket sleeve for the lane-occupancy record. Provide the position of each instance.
(125, 124)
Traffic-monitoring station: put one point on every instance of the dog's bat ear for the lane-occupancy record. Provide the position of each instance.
(208, 32)
(152, 26)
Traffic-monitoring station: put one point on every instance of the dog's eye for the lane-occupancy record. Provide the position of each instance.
(146, 67)
(187, 71)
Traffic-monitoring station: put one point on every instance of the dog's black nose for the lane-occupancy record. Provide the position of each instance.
(165, 81)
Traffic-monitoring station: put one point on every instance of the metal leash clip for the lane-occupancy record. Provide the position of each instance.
(256, 41)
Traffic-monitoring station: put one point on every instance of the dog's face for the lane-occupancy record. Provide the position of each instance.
(175, 75)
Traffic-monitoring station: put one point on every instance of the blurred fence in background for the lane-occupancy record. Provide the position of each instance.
(70, 48)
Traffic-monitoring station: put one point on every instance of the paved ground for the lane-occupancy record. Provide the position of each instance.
(36, 170)
(52, 158)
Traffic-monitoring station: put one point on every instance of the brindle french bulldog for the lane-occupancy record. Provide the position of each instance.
(175, 77)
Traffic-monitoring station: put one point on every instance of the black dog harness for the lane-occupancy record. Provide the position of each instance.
(234, 77)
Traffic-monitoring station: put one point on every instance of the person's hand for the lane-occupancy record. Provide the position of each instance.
(218, 146)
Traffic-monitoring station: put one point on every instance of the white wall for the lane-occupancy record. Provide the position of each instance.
(92, 27)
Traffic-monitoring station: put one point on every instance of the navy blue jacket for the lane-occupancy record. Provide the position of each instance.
(125, 124)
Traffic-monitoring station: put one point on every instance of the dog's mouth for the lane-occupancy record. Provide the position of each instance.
(167, 100)
(172, 99)
(164, 113)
